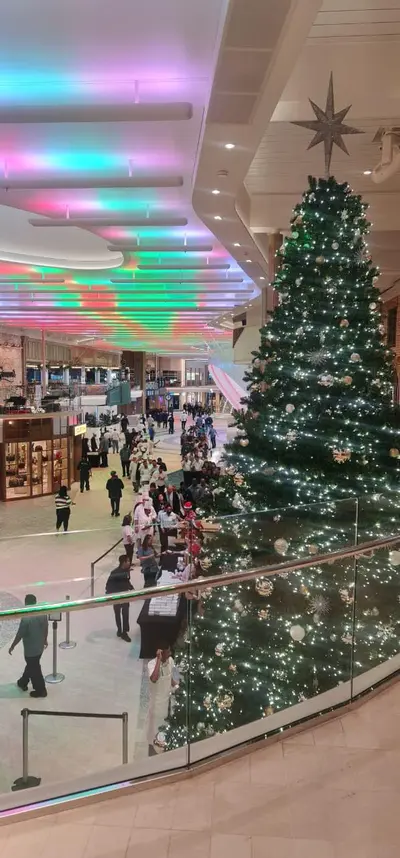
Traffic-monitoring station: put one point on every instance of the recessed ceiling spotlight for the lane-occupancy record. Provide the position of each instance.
(215, 191)
(217, 217)
(248, 260)
(229, 145)
(367, 172)
(236, 244)
(262, 278)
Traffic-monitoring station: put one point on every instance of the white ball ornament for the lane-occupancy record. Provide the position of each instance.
(289, 408)
(281, 546)
(394, 558)
(335, 245)
(355, 357)
(244, 442)
(373, 306)
(297, 633)
(219, 649)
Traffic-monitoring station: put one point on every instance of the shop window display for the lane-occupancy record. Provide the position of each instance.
(17, 470)
(41, 467)
(60, 463)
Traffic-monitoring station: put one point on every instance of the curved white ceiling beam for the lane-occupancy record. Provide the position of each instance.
(73, 248)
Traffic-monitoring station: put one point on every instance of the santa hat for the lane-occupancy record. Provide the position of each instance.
(187, 505)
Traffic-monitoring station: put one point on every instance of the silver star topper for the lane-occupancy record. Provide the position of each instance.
(328, 127)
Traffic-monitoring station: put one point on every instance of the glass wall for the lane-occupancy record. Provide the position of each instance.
(189, 670)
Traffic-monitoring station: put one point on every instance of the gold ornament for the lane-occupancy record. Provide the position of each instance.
(206, 562)
(304, 590)
(233, 668)
(344, 323)
(347, 379)
(244, 442)
(224, 701)
(264, 587)
(268, 710)
(320, 260)
(341, 456)
(312, 549)
(281, 546)
(263, 614)
(238, 479)
(394, 453)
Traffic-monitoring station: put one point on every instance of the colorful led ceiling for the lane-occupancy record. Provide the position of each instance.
(100, 132)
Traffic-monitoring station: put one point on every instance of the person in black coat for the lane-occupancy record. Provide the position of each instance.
(115, 488)
(119, 582)
(84, 473)
(93, 444)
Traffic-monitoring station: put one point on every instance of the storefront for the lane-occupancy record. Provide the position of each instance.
(36, 454)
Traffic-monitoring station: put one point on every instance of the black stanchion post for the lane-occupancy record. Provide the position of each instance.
(54, 677)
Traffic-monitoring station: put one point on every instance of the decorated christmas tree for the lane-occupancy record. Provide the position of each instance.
(319, 428)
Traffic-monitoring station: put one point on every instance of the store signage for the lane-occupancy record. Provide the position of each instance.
(80, 430)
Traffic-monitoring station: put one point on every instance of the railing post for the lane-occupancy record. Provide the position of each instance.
(92, 580)
(54, 677)
(27, 780)
(68, 643)
(124, 737)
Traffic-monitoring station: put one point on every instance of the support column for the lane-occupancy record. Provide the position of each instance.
(109, 377)
(44, 371)
(66, 375)
(97, 376)
(24, 380)
(83, 375)
(269, 295)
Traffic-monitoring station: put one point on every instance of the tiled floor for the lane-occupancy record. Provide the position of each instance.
(330, 792)
(102, 674)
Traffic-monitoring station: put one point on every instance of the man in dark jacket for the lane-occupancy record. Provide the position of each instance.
(125, 455)
(32, 631)
(84, 473)
(115, 488)
(119, 582)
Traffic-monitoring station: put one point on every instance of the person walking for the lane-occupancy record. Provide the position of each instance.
(213, 437)
(125, 455)
(115, 440)
(183, 420)
(93, 443)
(115, 487)
(63, 511)
(119, 582)
(103, 450)
(171, 424)
(84, 473)
(33, 632)
(128, 536)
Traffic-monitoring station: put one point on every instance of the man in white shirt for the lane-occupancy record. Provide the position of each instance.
(168, 522)
(161, 675)
(145, 474)
(144, 519)
(183, 420)
(115, 440)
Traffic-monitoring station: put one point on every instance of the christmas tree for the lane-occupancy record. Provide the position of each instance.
(319, 429)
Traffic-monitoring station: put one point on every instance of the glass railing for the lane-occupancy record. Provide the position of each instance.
(292, 613)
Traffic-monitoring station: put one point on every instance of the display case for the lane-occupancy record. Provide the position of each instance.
(17, 470)
(60, 462)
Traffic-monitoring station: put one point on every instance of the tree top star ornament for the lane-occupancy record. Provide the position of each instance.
(328, 127)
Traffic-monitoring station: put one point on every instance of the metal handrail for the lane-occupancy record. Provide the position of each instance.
(28, 780)
(199, 584)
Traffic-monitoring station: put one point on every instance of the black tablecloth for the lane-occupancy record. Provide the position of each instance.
(94, 459)
(156, 631)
